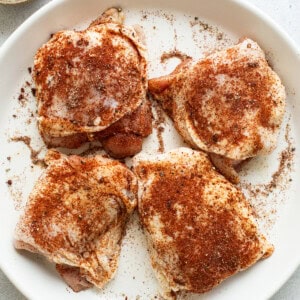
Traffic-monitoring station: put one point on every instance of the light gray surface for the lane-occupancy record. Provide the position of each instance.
(285, 12)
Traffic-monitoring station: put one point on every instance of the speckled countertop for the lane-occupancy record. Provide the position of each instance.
(285, 12)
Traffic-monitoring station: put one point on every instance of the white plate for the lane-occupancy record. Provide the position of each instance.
(167, 24)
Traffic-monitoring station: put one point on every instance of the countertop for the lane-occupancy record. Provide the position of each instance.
(285, 12)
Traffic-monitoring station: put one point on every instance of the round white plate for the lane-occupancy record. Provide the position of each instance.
(195, 28)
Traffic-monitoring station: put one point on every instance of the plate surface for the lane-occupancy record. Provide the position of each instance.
(194, 28)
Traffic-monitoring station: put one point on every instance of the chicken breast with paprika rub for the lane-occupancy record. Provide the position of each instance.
(229, 104)
(199, 226)
(76, 216)
(89, 80)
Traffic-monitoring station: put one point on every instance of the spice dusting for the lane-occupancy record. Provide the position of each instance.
(174, 53)
(33, 153)
(158, 125)
(24, 93)
(265, 208)
(203, 32)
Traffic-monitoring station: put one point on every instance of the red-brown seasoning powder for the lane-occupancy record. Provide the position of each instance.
(98, 64)
(158, 125)
(265, 207)
(250, 95)
(33, 153)
(173, 53)
(199, 255)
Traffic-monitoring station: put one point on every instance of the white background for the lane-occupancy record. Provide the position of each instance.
(285, 12)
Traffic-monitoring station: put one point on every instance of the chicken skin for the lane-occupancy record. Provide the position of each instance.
(199, 226)
(76, 216)
(89, 80)
(229, 104)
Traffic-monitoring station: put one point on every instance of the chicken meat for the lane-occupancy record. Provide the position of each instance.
(76, 216)
(89, 80)
(229, 104)
(199, 226)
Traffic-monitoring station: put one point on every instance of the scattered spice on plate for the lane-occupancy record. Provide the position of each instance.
(173, 53)
(264, 207)
(33, 153)
(158, 124)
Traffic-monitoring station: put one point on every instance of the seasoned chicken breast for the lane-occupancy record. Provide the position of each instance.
(230, 103)
(88, 80)
(200, 227)
(76, 217)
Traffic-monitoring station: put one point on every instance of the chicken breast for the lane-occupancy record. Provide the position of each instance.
(200, 228)
(88, 80)
(76, 217)
(230, 103)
